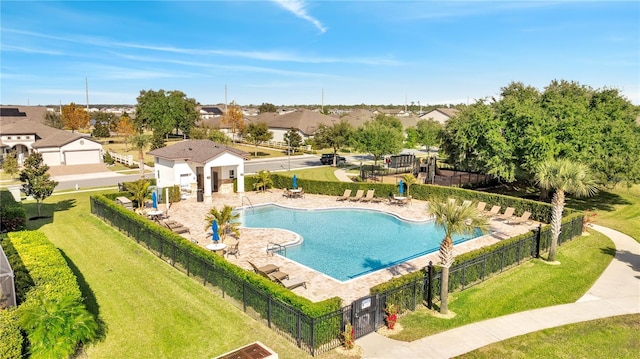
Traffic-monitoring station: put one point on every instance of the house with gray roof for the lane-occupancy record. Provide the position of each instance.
(24, 133)
(200, 166)
(441, 114)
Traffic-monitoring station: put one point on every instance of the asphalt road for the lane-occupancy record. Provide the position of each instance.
(281, 164)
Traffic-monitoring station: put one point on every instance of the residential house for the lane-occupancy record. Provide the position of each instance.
(442, 114)
(200, 165)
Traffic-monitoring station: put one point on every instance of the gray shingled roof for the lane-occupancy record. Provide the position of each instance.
(45, 136)
(200, 151)
(8, 114)
(306, 121)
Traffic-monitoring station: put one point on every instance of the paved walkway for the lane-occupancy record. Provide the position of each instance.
(616, 292)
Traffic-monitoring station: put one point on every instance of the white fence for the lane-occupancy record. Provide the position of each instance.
(126, 160)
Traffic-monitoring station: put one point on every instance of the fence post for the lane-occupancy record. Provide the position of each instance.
(430, 285)
(538, 236)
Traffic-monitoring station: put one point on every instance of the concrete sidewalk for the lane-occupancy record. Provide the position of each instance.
(616, 292)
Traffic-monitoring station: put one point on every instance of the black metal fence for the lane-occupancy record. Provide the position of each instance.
(323, 333)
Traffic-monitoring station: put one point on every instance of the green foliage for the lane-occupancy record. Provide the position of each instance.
(10, 336)
(53, 315)
(175, 194)
(428, 133)
(264, 181)
(139, 190)
(163, 111)
(257, 133)
(101, 129)
(379, 138)
(22, 280)
(267, 107)
(157, 141)
(10, 164)
(53, 119)
(108, 159)
(336, 136)
(227, 221)
(38, 182)
(510, 137)
(12, 214)
(293, 139)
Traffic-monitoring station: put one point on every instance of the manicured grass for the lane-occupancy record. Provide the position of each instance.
(147, 309)
(616, 208)
(323, 173)
(529, 286)
(616, 337)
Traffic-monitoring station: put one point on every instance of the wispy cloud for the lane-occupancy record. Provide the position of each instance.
(297, 7)
(29, 50)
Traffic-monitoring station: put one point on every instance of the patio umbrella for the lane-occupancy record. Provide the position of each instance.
(214, 231)
(154, 199)
(295, 181)
(400, 187)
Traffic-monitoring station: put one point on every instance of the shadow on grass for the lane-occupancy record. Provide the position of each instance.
(47, 211)
(88, 298)
(602, 201)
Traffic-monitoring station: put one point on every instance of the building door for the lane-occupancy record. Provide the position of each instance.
(214, 180)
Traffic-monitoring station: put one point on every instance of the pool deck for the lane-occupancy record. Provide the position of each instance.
(253, 242)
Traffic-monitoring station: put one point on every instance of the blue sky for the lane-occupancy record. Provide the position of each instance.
(293, 52)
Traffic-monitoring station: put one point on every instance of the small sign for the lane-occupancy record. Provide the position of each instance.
(366, 303)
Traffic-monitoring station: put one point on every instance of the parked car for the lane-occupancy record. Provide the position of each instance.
(327, 159)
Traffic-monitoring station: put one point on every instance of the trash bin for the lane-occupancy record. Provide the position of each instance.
(200, 195)
(120, 187)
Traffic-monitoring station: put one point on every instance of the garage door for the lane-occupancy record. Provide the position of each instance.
(81, 157)
(51, 158)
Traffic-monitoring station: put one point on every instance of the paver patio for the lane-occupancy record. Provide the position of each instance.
(253, 242)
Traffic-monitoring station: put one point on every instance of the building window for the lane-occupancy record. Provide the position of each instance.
(158, 175)
(8, 138)
(232, 174)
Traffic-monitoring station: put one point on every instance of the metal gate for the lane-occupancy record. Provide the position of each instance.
(365, 315)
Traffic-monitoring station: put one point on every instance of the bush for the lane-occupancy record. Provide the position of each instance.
(13, 217)
(10, 336)
(53, 315)
(108, 159)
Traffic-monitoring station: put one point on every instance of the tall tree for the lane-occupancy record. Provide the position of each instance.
(293, 139)
(227, 221)
(36, 178)
(163, 111)
(140, 142)
(75, 117)
(378, 139)
(428, 132)
(267, 107)
(234, 118)
(335, 136)
(453, 219)
(109, 119)
(257, 133)
(126, 128)
(10, 164)
(563, 176)
(53, 119)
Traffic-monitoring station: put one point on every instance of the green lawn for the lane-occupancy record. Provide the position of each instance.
(616, 337)
(148, 309)
(528, 286)
(322, 173)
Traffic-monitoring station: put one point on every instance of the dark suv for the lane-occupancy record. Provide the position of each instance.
(327, 159)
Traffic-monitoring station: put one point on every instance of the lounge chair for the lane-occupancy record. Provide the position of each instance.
(369, 196)
(493, 212)
(291, 283)
(345, 196)
(466, 203)
(404, 201)
(273, 276)
(232, 250)
(267, 269)
(452, 201)
(508, 213)
(358, 196)
(524, 218)
(481, 206)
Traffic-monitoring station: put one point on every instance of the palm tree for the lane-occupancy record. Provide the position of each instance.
(453, 219)
(140, 142)
(563, 176)
(264, 180)
(409, 179)
(227, 221)
(139, 190)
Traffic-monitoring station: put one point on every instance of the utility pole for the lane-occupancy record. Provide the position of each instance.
(322, 105)
(86, 86)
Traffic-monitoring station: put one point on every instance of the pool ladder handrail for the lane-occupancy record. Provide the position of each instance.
(248, 200)
(275, 247)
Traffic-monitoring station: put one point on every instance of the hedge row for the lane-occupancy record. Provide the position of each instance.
(53, 315)
(192, 251)
(10, 336)
(540, 211)
(13, 217)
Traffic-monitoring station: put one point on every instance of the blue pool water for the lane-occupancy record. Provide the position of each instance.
(347, 243)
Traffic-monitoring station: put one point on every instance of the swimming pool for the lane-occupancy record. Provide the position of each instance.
(348, 243)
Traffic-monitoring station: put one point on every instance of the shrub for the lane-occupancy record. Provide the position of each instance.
(13, 217)
(10, 336)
